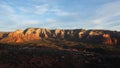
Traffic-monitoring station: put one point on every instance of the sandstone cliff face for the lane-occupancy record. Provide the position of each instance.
(107, 39)
(19, 36)
(15, 36)
(80, 35)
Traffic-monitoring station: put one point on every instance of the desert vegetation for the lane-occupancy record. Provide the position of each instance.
(58, 54)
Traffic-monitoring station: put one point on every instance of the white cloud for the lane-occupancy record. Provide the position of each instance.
(6, 12)
(23, 9)
(13, 17)
(41, 9)
(109, 9)
(44, 9)
(35, 9)
(60, 12)
(6, 9)
(98, 21)
(50, 20)
(106, 12)
(12, 20)
(29, 22)
(107, 16)
(23, 20)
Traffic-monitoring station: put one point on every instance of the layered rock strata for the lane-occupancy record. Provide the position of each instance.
(79, 35)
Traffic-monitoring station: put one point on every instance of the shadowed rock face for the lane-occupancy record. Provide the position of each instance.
(3, 34)
(79, 35)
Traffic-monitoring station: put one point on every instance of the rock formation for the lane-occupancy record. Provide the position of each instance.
(79, 35)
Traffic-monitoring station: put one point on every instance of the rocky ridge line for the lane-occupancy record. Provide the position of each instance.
(79, 35)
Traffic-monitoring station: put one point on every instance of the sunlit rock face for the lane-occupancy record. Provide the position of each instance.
(59, 33)
(45, 33)
(79, 35)
(21, 36)
(107, 39)
(16, 36)
(31, 34)
(95, 33)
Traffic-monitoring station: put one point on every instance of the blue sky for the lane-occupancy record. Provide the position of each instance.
(63, 14)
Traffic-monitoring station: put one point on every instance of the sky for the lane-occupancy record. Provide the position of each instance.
(60, 14)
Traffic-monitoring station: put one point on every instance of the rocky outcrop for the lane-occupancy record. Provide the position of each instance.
(3, 34)
(59, 33)
(15, 36)
(79, 35)
(19, 36)
(107, 39)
